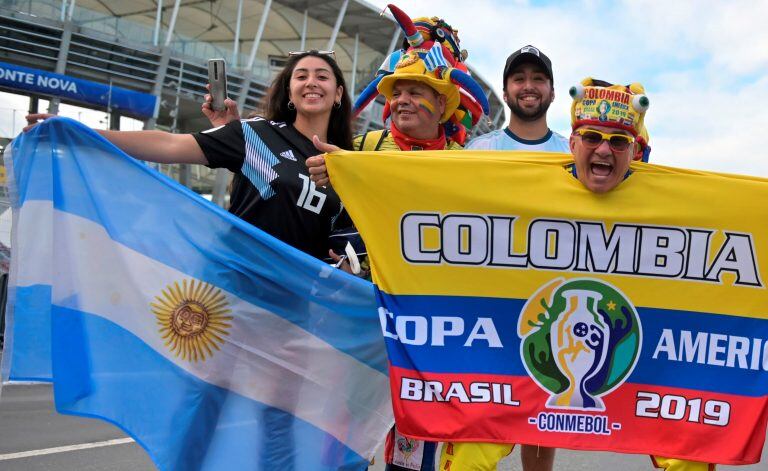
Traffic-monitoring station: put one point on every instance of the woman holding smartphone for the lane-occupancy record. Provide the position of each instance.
(272, 189)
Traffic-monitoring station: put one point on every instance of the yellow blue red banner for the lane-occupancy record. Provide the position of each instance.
(519, 307)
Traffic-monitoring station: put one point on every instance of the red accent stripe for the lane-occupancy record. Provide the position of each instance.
(497, 423)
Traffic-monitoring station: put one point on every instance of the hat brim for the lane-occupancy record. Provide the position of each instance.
(527, 58)
(607, 124)
(443, 87)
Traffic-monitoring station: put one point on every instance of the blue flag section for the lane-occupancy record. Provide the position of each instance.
(211, 343)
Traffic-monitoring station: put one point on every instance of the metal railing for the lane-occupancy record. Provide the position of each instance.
(123, 30)
(95, 57)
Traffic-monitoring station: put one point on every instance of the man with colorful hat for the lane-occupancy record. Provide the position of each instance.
(608, 123)
(422, 84)
(608, 132)
(528, 91)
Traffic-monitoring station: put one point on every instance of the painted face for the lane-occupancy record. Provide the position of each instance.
(528, 92)
(600, 168)
(416, 109)
(313, 87)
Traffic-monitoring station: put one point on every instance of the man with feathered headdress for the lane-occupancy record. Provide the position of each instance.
(431, 56)
(431, 100)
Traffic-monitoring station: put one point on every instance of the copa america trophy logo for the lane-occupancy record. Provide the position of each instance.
(580, 340)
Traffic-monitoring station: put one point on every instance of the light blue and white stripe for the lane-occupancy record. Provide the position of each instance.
(435, 57)
(259, 162)
(299, 381)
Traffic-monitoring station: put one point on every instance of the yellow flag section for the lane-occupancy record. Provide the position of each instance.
(682, 239)
(519, 307)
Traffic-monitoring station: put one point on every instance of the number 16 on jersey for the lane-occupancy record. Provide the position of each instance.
(310, 198)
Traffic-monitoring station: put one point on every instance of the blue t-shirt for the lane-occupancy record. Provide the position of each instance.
(504, 139)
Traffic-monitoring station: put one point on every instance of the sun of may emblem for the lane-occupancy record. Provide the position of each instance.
(192, 318)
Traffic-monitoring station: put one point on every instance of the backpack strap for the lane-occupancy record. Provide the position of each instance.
(372, 140)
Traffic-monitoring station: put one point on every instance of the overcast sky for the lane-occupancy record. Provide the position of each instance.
(704, 65)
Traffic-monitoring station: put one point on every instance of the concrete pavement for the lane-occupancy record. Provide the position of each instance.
(29, 424)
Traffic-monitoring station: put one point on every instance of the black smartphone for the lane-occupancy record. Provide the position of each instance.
(217, 77)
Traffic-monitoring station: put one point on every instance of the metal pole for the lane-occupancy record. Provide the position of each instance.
(367, 122)
(158, 23)
(185, 174)
(304, 31)
(498, 115)
(259, 32)
(34, 104)
(337, 26)
(66, 40)
(162, 67)
(248, 75)
(220, 186)
(157, 88)
(393, 43)
(114, 117)
(353, 89)
(63, 10)
(66, 37)
(236, 44)
(178, 97)
(109, 96)
(183, 169)
(172, 24)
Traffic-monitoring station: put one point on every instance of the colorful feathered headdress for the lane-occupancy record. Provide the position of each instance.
(433, 56)
(618, 106)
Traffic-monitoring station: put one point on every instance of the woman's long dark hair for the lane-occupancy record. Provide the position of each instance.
(276, 101)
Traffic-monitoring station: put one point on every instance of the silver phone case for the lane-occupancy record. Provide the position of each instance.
(217, 77)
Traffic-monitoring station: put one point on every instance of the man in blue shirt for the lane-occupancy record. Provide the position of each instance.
(528, 91)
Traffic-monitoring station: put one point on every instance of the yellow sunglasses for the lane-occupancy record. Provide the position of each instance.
(592, 138)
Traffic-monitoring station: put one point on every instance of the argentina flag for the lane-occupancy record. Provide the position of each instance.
(212, 344)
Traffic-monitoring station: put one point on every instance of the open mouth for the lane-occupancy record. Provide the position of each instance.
(601, 169)
(313, 96)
